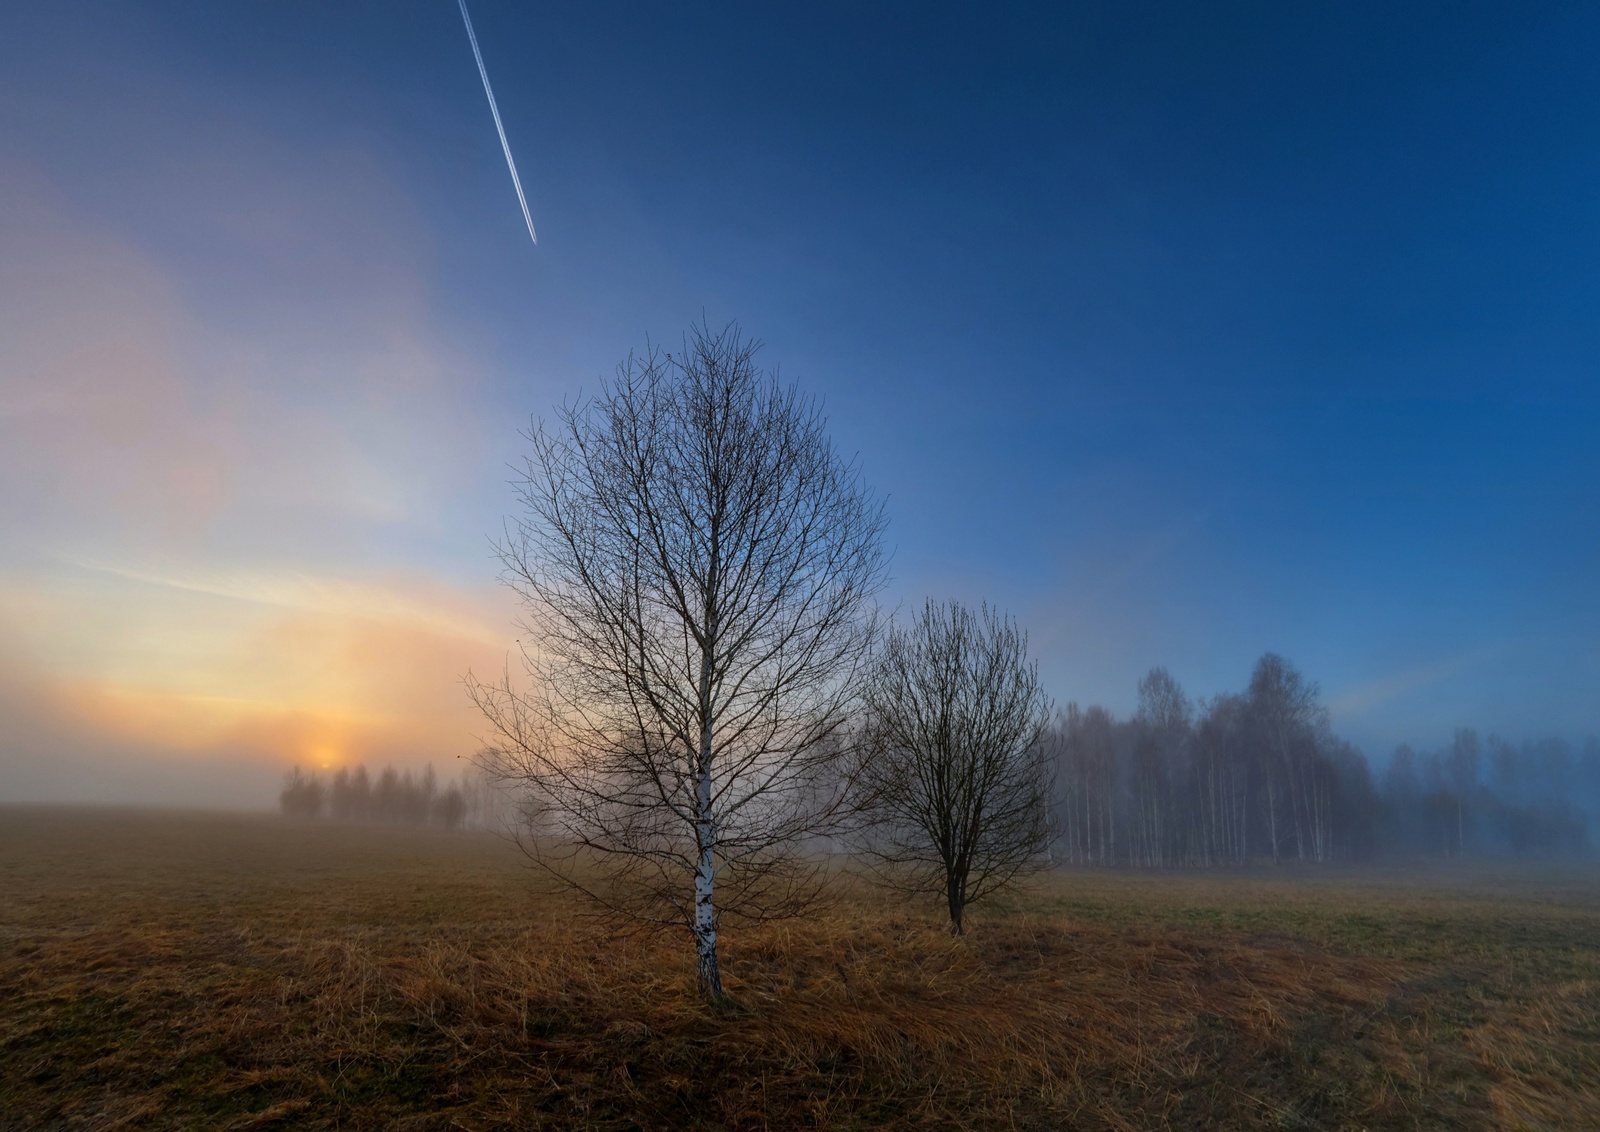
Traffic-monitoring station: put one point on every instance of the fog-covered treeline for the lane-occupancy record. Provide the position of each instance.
(1493, 796)
(1255, 775)
(1250, 775)
(1259, 775)
(393, 797)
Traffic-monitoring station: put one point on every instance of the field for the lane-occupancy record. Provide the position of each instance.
(192, 971)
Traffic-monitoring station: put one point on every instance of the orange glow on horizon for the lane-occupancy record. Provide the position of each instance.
(205, 675)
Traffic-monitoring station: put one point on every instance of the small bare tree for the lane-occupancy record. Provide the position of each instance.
(955, 776)
(697, 567)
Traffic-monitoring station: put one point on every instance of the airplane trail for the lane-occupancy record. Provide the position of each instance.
(495, 110)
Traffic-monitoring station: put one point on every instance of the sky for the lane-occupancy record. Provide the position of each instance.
(1180, 332)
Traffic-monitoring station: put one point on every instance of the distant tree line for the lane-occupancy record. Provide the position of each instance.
(1242, 776)
(1259, 775)
(1492, 796)
(393, 797)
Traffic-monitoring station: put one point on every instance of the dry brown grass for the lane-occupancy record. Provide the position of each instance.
(186, 971)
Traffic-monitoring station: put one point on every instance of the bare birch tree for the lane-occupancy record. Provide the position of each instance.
(955, 769)
(697, 567)
(1288, 717)
(1085, 746)
(1222, 782)
(1163, 733)
(1462, 764)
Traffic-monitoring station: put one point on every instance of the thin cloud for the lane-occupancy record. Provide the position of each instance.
(1364, 697)
(338, 597)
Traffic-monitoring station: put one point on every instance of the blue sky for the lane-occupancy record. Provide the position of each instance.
(1183, 332)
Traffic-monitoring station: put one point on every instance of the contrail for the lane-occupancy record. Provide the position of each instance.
(495, 110)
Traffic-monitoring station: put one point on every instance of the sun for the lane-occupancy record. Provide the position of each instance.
(324, 754)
